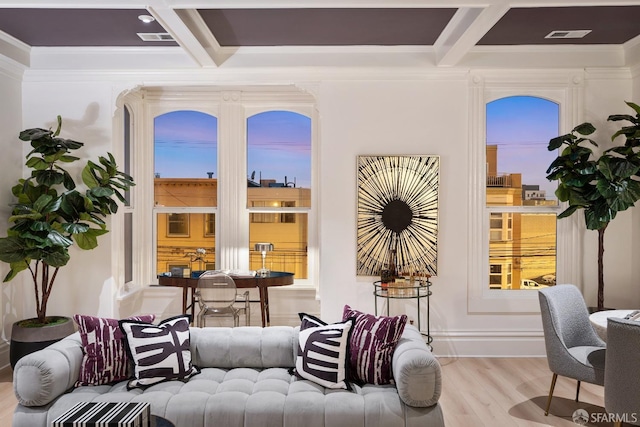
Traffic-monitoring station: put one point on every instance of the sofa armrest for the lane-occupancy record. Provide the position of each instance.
(416, 371)
(42, 376)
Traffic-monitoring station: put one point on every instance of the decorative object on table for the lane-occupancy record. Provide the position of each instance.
(397, 211)
(121, 414)
(177, 271)
(573, 348)
(198, 256)
(388, 273)
(104, 355)
(601, 185)
(159, 352)
(263, 248)
(634, 315)
(50, 215)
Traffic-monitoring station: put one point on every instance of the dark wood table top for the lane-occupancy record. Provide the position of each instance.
(274, 278)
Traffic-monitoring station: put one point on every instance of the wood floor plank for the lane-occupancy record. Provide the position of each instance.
(511, 392)
(8, 400)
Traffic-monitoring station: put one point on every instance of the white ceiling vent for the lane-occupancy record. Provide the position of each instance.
(155, 37)
(571, 34)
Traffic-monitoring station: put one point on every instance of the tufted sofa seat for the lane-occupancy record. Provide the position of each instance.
(244, 381)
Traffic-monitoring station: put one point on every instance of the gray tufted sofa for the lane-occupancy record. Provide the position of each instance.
(244, 381)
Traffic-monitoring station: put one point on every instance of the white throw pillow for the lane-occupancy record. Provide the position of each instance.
(323, 353)
(159, 352)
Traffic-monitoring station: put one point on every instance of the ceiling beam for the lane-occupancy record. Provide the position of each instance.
(182, 34)
(464, 30)
(201, 32)
(15, 49)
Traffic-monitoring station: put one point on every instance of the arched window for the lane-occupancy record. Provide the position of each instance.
(520, 201)
(279, 188)
(516, 242)
(185, 190)
(197, 160)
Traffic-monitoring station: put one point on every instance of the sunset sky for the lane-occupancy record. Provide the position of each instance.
(521, 127)
(279, 142)
(279, 145)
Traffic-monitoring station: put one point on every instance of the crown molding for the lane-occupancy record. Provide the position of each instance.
(11, 68)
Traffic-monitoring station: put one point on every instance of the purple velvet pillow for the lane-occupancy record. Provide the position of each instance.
(372, 343)
(105, 357)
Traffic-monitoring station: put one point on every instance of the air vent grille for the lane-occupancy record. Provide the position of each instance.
(571, 34)
(155, 37)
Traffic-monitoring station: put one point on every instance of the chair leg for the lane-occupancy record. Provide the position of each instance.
(578, 391)
(553, 385)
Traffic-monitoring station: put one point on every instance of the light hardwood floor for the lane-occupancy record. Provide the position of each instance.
(7, 398)
(492, 392)
(508, 392)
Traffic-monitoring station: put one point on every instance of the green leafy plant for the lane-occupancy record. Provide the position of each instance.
(601, 186)
(50, 214)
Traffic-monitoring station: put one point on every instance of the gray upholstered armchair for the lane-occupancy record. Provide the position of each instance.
(574, 349)
(622, 371)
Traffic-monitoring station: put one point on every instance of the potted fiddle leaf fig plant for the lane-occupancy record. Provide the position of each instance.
(50, 215)
(600, 185)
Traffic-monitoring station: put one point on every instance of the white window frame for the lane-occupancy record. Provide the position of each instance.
(564, 88)
(231, 106)
(117, 227)
(308, 111)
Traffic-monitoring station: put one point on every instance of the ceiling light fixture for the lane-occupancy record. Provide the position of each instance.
(146, 18)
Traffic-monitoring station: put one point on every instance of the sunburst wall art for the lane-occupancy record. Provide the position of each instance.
(398, 210)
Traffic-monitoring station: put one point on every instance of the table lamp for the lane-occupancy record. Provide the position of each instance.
(263, 248)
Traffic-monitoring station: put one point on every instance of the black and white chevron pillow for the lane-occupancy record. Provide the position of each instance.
(322, 354)
(159, 352)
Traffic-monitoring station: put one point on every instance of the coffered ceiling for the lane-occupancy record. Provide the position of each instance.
(270, 33)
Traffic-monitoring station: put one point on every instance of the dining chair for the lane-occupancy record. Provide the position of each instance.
(217, 296)
(573, 348)
(622, 371)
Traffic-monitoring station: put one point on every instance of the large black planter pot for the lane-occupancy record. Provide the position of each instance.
(25, 340)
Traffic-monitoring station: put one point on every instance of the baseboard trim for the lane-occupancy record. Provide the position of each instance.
(4, 354)
(489, 344)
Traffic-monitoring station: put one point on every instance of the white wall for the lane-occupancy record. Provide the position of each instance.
(84, 285)
(11, 294)
(605, 95)
(417, 115)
